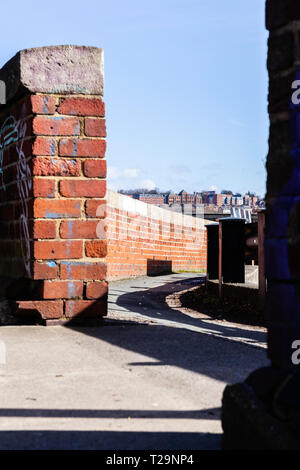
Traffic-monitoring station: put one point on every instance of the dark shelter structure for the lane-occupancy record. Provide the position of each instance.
(263, 412)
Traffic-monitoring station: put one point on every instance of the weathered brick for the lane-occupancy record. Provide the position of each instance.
(45, 270)
(43, 188)
(57, 209)
(94, 127)
(44, 229)
(44, 125)
(83, 270)
(45, 308)
(56, 167)
(43, 104)
(81, 148)
(78, 229)
(82, 106)
(86, 308)
(95, 208)
(44, 146)
(62, 289)
(96, 249)
(82, 188)
(96, 290)
(95, 168)
(57, 249)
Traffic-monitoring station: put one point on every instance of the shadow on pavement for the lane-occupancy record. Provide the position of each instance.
(108, 440)
(210, 413)
(174, 339)
(226, 353)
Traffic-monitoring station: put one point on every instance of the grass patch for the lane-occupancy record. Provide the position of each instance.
(232, 307)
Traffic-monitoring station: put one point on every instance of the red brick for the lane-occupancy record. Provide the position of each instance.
(82, 188)
(43, 104)
(96, 249)
(95, 208)
(45, 270)
(56, 209)
(78, 229)
(57, 249)
(43, 188)
(95, 168)
(83, 271)
(62, 289)
(86, 308)
(44, 125)
(81, 148)
(46, 308)
(56, 167)
(96, 290)
(44, 146)
(101, 230)
(82, 106)
(44, 229)
(94, 127)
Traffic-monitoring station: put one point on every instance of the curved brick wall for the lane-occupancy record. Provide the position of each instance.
(146, 239)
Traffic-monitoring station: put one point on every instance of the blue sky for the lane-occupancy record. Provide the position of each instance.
(185, 84)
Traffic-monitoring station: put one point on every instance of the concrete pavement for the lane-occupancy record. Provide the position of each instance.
(151, 378)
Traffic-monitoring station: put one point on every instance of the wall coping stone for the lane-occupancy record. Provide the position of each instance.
(66, 69)
(122, 202)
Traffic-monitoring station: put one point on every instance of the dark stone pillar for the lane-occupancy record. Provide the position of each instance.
(263, 412)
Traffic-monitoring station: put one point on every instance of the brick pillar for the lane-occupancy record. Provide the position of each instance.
(53, 183)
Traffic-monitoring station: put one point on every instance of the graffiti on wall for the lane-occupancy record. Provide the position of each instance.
(13, 131)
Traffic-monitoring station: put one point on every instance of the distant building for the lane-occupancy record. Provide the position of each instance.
(222, 199)
(211, 197)
(237, 200)
(156, 199)
(246, 200)
(208, 197)
(184, 198)
(173, 199)
(211, 200)
(250, 200)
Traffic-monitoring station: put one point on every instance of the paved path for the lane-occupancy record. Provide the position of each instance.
(151, 378)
